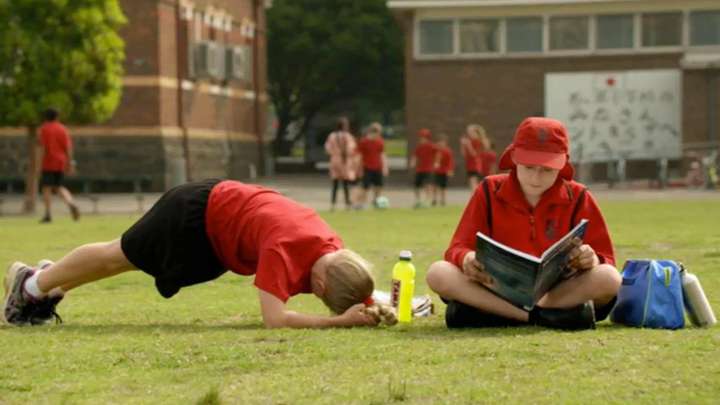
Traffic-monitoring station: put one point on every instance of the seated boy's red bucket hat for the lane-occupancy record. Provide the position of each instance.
(539, 141)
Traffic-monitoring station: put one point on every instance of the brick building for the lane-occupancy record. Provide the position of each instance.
(634, 80)
(194, 92)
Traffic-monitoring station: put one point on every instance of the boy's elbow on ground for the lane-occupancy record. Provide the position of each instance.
(274, 322)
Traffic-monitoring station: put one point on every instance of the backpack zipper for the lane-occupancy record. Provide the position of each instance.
(647, 297)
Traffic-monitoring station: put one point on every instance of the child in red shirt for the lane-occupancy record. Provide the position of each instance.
(423, 160)
(374, 163)
(444, 168)
(471, 147)
(57, 160)
(530, 208)
(197, 231)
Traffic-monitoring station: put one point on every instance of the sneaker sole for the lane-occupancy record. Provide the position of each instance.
(8, 282)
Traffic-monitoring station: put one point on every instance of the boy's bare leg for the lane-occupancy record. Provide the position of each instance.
(66, 195)
(600, 284)
(87, 263)
(449, 282)
(47, 199)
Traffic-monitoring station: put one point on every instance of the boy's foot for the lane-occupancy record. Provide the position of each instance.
(43, 311)
(46, 219)
(17, 304)
(576, 318)
(74, 212)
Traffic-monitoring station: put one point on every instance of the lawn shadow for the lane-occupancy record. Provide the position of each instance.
(137, 329)
(442, 332)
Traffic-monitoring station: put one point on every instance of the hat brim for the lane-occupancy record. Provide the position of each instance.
(536, 158)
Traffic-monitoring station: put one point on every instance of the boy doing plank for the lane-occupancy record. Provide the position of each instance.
(193, 234)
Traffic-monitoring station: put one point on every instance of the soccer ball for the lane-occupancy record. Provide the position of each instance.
(382, 202)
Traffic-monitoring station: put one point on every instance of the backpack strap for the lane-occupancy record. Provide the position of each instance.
(488, 206)
(578, 204)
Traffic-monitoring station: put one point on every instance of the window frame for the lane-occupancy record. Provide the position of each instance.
(637, 47)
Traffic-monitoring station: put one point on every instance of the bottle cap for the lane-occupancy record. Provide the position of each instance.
(405, 255)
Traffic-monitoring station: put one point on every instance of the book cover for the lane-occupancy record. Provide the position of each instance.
(521, 278)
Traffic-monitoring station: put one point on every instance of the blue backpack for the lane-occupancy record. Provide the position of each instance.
(650, 295)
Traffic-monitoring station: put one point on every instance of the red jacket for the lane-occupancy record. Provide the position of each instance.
(531, 230)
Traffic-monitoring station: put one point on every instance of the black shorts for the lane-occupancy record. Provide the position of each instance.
(477, 175)
(170, 242)
(372, 177)
(421, 179)
(52, 179)
(441, 180)
(459, 315)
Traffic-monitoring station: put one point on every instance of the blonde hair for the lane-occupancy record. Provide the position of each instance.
(348, 281)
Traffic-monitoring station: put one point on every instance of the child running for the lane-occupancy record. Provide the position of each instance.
(529, 209)
(192, 235)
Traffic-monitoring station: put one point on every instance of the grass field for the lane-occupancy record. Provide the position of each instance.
(122, 343)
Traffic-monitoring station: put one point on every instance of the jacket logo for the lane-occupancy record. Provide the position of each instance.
(542, 134)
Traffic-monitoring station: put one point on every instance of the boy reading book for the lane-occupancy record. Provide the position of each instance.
(529, 209)
(521, 278)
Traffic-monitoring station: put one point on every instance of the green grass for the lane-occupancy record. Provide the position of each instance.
(396, 147)
(122, 343)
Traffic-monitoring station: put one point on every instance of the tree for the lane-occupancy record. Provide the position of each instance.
(326, 52)
(61, 53)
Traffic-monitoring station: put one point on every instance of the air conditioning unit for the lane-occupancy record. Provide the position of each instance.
(209, 60)
(239, 63)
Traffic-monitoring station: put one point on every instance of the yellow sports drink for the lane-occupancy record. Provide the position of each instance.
(403, 286)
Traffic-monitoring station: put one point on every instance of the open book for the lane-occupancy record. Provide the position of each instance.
(521, 278)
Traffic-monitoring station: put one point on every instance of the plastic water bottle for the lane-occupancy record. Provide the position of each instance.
(696, 303)
(403, 286)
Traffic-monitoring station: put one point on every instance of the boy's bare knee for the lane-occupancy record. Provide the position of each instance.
(437, 276)
(607, 280)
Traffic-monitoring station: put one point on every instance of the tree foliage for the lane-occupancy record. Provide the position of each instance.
(322, 53)
(61, 53)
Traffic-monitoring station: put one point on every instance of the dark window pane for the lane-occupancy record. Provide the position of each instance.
(615, 31)
(662, 29)
(569, 33)
(705, 28)
(524, 34)
(436, 37)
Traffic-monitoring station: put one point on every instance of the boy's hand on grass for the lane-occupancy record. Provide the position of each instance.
(582, 258)
(356, 315)
(475, 270)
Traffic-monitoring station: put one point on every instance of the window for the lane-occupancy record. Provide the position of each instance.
(479, 36)
(705, 28)
(524, 34)
(615, 31)
(662, 29)
(436, 37)
(569, 33)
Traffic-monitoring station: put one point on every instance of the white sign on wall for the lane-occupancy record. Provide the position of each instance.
(632, 114)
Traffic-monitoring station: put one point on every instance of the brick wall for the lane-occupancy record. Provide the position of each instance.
(447, 95)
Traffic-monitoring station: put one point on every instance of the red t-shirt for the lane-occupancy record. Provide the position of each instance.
(56, 143)
(471, 149)
(254, 230)
(531, 230)
(425, 157)
(487, 161)
(445, 160)
(371, 150)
